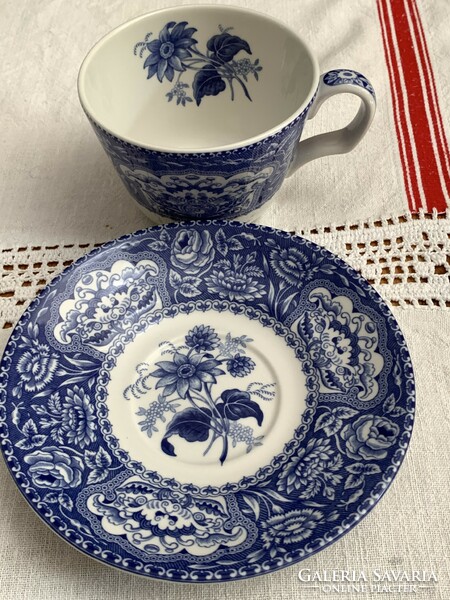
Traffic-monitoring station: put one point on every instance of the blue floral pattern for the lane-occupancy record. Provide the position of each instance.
(193, 194)
(345, 451)
(369, 437)
(175, 52)
(52, 468)
(204, 186)
(188, 379)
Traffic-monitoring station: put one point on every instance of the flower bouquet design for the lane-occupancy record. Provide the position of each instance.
(175, 51)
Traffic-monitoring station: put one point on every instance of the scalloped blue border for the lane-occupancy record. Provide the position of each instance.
(224, 573)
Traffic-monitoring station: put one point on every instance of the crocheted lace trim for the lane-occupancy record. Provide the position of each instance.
(407, 259)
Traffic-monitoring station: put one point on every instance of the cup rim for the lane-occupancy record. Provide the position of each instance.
(226, 147)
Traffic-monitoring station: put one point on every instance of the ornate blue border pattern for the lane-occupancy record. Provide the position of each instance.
(60, 449)
(204, 185)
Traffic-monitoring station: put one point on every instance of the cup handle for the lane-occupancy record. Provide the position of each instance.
(343, 140)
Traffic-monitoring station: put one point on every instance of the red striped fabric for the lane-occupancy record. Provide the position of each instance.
(420, 132)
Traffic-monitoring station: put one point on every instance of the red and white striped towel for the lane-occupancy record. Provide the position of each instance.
(421, 136)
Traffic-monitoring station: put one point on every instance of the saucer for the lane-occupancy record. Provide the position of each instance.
(205, 402)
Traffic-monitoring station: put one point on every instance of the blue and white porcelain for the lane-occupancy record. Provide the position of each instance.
(205, 402)
(201, 109)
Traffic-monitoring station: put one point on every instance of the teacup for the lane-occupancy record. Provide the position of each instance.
(201, 109)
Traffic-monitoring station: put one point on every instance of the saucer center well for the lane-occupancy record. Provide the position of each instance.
(206, 398)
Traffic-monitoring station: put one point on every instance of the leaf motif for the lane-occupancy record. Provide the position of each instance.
(225, 46)
(221, 242)
(57, 435)
(287, 302)
(334, 428)
(38, 440)
(334, 479)
(353, 481)
(97, 475)
(333, 516)
(344, 412)
(47, 422)
(89, 458)
(41, 313)
(72, 380)
(389, 404)
(79, 526)
(325, 420)
(333, 381)
(235, 244)
(66, 501)
(249, 237)
(158, 246)
(276, 496)
(252, 503)
(167, 447)
(136, 488)
(25, 444)
(174, 279)
(51, 497)
(102, 459)
(207, 82)
(189, 290)
(80, 362)
(17, 391)
(311, 490)
(398, 412)
(192, 424)
(354, 497)
(240, 408)
(29, 429)
(164, 237)
(254, 556)
(328, 492)
(38, 409)
(55, 404)
(211, 507)
(344, 280)
(371, 469)
(355, 468)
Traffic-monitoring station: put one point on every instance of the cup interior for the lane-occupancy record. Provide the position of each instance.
(197, 78)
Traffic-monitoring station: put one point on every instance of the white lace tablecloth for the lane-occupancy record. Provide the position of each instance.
(382, 208)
